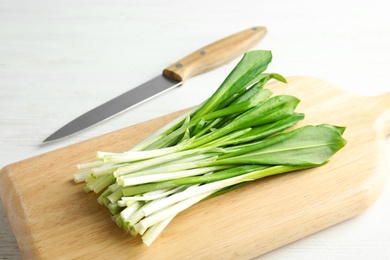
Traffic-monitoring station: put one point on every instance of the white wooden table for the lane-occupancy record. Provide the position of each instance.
(59, 59)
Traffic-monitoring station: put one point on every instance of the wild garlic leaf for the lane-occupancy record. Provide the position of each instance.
(308, 145)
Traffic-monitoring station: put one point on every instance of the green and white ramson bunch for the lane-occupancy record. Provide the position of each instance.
(238, 135)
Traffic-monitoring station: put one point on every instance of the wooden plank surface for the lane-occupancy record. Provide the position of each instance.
(53, 218)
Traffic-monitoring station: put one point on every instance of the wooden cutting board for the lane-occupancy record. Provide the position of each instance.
(52, 218)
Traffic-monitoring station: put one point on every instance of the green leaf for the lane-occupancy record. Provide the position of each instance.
(217, 176)
(251, 65)
(254, 100)
(266, 130)
(273, 109)
(305, 146)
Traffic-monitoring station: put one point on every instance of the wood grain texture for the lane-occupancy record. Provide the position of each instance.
(215, 54)
(52, 217)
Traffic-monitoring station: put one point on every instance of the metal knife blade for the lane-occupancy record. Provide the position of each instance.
(202, 60)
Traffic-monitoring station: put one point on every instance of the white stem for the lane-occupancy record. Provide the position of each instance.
(163, 176)
(130, 210)
(154, 194)
(139, 214)
(141, 155)
(115, 196)
(153, 232)
(89, 165)
(136, 166)
(168, 201)
(193, 191)
(185, 163)
(113, 187)
(105, 169)
(161, 215)
(100, 155)
(135, 217)
(157, 135)
(81, 176)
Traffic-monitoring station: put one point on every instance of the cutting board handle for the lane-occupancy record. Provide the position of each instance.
(382, 103)
(215, 54)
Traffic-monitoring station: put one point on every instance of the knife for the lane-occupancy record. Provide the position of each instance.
(202, 60)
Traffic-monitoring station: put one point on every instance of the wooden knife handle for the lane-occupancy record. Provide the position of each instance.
(215, 54)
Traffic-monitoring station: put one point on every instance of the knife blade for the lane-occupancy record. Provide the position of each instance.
(200, 61)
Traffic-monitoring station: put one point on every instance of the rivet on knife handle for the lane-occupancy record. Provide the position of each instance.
(215, 54)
